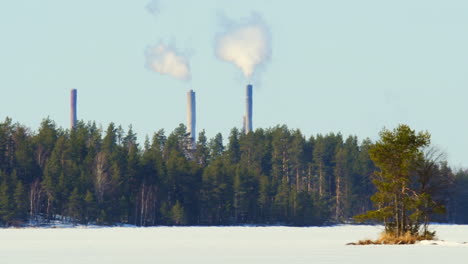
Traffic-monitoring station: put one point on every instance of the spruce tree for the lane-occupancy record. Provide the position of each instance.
(178, 214)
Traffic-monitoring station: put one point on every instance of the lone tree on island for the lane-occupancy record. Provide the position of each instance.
(403, 201)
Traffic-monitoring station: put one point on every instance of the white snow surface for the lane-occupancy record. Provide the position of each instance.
(223, 245)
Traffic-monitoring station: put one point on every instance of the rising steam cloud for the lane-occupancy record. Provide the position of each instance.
(168, 61)
(247, 45)
(153, 7)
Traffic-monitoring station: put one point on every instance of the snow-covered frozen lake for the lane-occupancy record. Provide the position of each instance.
(221, 245)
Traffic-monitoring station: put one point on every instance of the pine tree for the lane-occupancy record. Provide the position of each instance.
(202, 154)
(45, 141)
(459, 197)
(305, 214)
(265, 199)
(20, 201)
(50, 183)
(282, 206)
(233, 151)
(399, 204)
(90, 207)
(75, 206)
(6, 208)
(216, 146)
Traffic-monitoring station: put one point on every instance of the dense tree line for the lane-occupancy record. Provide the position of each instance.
(266, 177)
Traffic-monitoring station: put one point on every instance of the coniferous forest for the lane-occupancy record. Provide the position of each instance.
(274, 176)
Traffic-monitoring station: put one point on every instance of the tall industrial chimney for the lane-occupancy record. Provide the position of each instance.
(73, 108)
(191, 117)
(248, 110)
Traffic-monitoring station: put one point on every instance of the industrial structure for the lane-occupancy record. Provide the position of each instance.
(73, 97)
(191, 118)
(191, 114)
(248, 110)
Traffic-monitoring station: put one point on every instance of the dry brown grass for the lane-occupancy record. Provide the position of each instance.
(390, 239)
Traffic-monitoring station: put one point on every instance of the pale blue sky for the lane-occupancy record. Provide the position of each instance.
(337, 66)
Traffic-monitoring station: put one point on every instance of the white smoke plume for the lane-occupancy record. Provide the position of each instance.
(246, 44)
(167, 60)
(153, 7)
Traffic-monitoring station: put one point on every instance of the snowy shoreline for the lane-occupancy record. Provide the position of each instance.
(59, 224)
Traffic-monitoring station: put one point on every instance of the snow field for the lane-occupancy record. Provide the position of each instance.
(222, 245)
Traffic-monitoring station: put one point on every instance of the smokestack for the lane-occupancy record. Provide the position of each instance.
(73, 95)
(248, 109)
(191, 117)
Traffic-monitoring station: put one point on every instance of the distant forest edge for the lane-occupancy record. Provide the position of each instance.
(272, 176)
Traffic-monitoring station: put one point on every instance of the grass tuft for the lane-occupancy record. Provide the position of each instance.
(391, 239)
